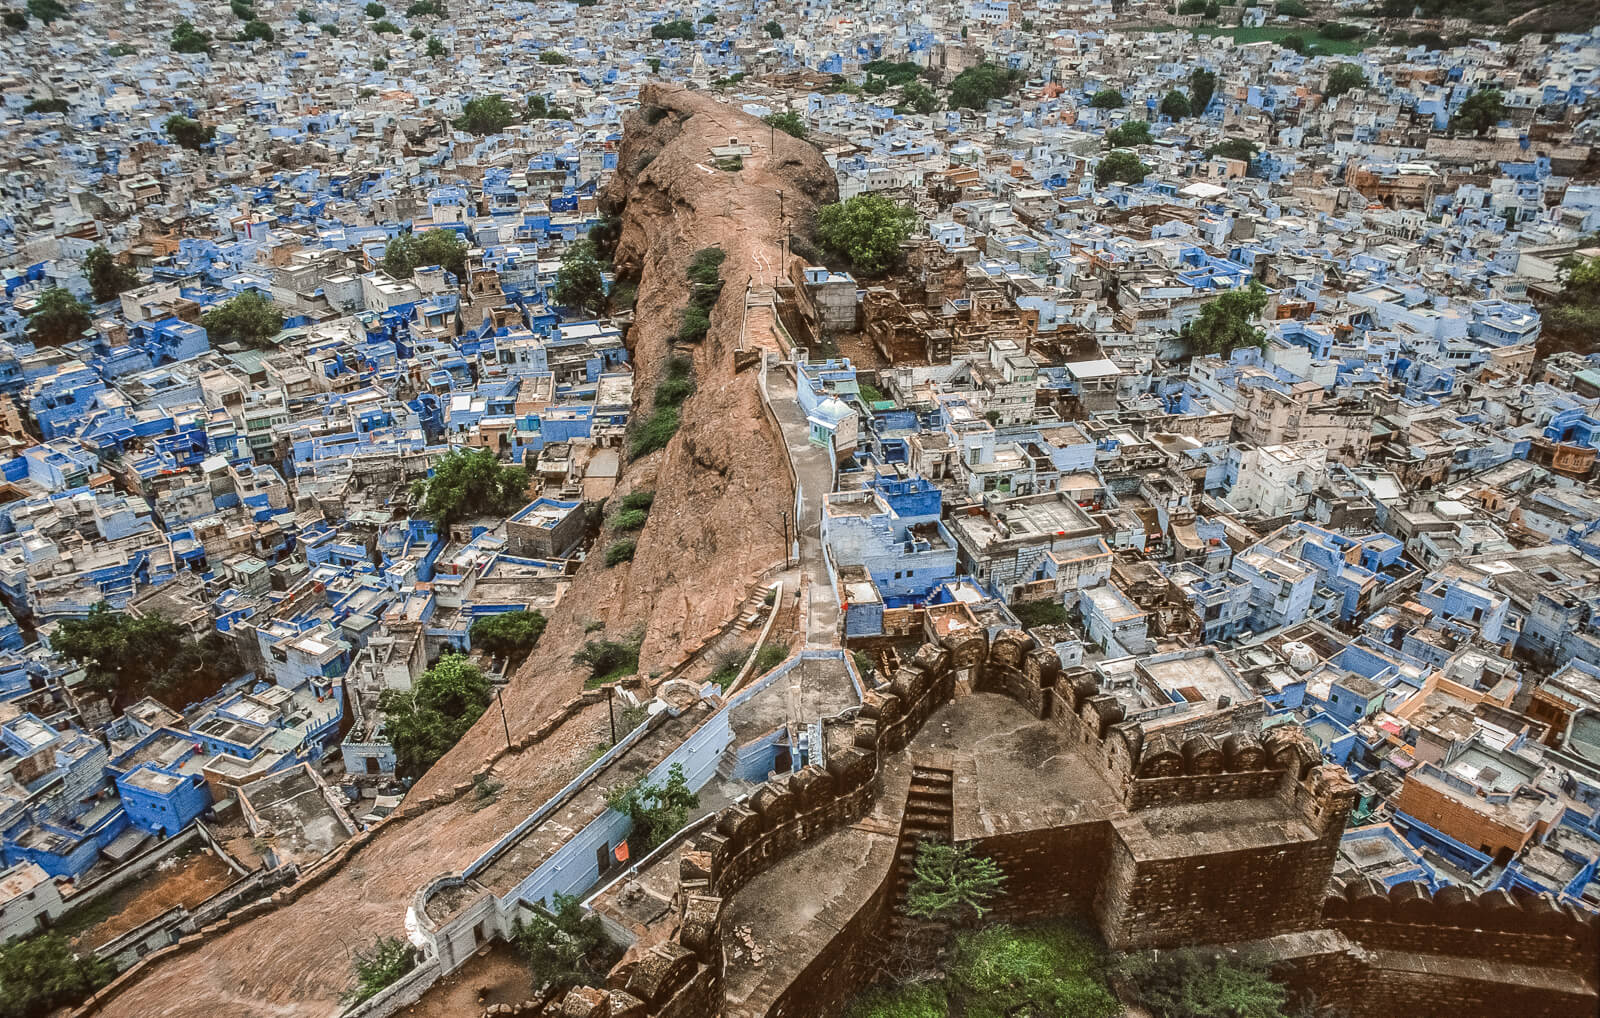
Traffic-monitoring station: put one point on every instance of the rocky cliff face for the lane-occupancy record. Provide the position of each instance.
(721, 485)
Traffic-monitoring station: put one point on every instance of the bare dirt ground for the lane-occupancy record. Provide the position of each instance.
(193, 879)
(712, 534)
(496, 976)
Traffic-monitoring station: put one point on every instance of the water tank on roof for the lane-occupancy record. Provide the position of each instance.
(1301, 659)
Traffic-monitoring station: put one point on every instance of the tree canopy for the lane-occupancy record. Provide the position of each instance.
(1176, 105)
(508, 634)
(1479, 111)
(249, 318)
(1121, 166)
(918, 98)
(41, 974)
(1343, 78)
(679, 29)
(423, 722)
(1234, 148)
(256, 31)
(868, 230)
(107, 278)
(47, 11)
(469, 482)
(565, 946)
(188, 39)
(773, 30)
(191, 134)
(975, 86)
(487, 114)
(1107, 99)
(377, 966)
(1134, 132)
(789, 123)
(52, 105)
(58, 318)
(128, 657)
(580, 282)
(950, 883)
(1202, 86)
(1228, 322)
(658, 810)
(407, 252)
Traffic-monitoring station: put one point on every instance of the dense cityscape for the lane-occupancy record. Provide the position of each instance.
(876, 510)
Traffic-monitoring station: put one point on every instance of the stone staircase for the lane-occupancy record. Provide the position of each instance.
(929, 816)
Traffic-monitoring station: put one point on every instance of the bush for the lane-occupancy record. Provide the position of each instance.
(951, 884)
(658, 811)
(788, 123)
(1189, 983)
(1122, 166)
(619, 552)
(386, 28)
(1337, 30)
(189, 134)
(1134, 132)
(656, 431)
(1039, 613)
(375, 10)
(1291, 9)
(631, 519)
(378, 966)
(696, 323)
(975, 86)
(637, 500)
(1175, 105)
(770, 656)
(773, 30)
(608, 660)
(1054, 969)
(508, 634)
(407, 252)
(918, 1000)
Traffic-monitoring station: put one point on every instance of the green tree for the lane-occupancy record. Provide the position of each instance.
(1234, 148)
(789, 123)
(188, 39)
(580, 282)
(655, 64)
(1122, 166)
(550, 56)
(565, 946)
(1202, 86)
(508, 634)
(1134, 132)
(1228, 322)
(874, 85)
(437, 48)
(1107, 99)
(107, 279)
(975, 86)
(386, 27)
(469, 483)
(1293, 42)
(256, 31)
(679, 29)
(332, 31)
(122, 49)
(40, 974)
(773, 30)
(304, 16)
(380, 64)
(868, 230)
(1189, 983)
(47, 11)
(1479, 111)
(919, 98)
(16, 21)
(1175, 105)
(709, 19)
(1343, 78)
(408, 252)
(377, 966)
(47, 106)
(487, 114)
(189, 134)
(127, 657)
(249, 318)
(608, 660)
(951, 884)
(423, 722)
(1292, 9)
(658, 811)
(242, 10)
(375, 10)
(417, 34)
(424, 9)
(58, 318)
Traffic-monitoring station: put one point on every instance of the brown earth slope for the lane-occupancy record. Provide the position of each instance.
(719, 486)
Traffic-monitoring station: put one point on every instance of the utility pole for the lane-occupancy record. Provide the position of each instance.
(783, 243)
(503, 722)
(610, 710)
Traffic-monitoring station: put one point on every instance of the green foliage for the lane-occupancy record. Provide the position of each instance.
(918, 98)
(1107, 99)
(773, 30)
(425, 9)
(868, 230)
(579, 282)
(1134, 132)
(1120, 165)
(1228, 322)
(550, 56)
(630, 519)
(331, 31)
(1175, 105)
(538, 109)
(951, 884)
(869, 393)
(469, 483)
(58, 318)
(1192, 7)
(608, 660)
(256, 31)
(1294, 42)
(565, 946)
(975, 86)
(436, 48)
(673, 390)
(709, 19)
(408, 252)
(655, 432)
(770, 656)
(1040, 613)
(47, 11)
(1292, 9)
(1193, 984)
(304, 16)
(16, 21)
(508, 634)
(386, 28)
(918, 1000)
(789, 123)
(635, 501)
(1202, 86)
(122, 49)
(423, 722)
(188, 39)
(679, 29)
(47, 106)
(1054, 970)
(1338, 30)
(618, 552)
(874, 85)
(727, 668)
(1479, 111)
(657, 811)
(191, 134)
(377, 966)
(41, 974)
(379, 64)
(242, 10)
(127, 658)
(375, 10)
(1233, 148)
(417, 34)
(1343, 78)
(705, 280)
(249, 318)
(655, 64)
